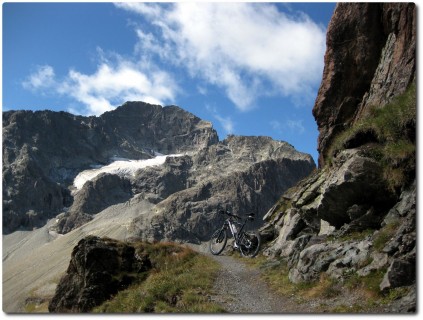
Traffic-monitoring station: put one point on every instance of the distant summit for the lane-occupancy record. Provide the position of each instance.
(45, 151)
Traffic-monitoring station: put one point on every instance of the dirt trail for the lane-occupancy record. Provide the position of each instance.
(239, 289)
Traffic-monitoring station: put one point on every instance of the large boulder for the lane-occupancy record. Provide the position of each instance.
(98, 269)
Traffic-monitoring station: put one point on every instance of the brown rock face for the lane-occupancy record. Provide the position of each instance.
(370, 58)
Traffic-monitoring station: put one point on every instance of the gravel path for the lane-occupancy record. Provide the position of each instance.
(239, 289)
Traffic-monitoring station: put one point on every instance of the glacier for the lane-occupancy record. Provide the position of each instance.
(121, 166)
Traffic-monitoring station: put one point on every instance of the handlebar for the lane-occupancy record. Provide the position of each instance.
(250, 216)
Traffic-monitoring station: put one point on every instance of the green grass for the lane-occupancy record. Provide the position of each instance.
(180, 282)
(390, 132)
(364, 289)
(384, 235)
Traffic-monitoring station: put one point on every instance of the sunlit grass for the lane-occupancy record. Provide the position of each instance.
(391, 133)
(180, 282)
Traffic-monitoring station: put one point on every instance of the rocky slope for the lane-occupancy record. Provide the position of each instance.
(356, 215)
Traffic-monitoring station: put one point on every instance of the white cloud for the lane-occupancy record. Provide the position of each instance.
(112, 84)
(226, 123)
(43, 77)
(248, 49)
(276, 125)
(295, 126)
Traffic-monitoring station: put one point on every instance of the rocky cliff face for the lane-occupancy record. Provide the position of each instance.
(243, 173)
(43, 152)
(370, 58)
(356, 215)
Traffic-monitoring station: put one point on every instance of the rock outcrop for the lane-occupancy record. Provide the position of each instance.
(243, 173)
(98, 269)
(356, 215)
(370, 58)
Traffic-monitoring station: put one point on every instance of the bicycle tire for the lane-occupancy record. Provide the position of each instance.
(250, 244)
(218, 241)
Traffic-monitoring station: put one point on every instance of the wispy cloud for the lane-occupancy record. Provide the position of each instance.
(42, 77)
(226, 122)
(294, 126)
(247, 49)
(113, 83)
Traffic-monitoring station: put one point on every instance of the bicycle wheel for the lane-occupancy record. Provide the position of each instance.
(250, 244)
(218, 241)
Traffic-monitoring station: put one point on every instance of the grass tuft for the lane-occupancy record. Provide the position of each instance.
(180, 282)
(390, 132)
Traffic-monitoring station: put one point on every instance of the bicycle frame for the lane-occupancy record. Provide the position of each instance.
(248, 243)
(231, 224)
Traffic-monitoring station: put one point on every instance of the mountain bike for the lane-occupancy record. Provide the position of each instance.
(248, 242)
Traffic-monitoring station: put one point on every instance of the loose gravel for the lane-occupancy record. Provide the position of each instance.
(239, 289)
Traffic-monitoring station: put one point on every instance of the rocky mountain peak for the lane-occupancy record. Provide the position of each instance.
(44, 151)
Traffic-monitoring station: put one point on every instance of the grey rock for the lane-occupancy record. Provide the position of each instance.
(325, 228)
(400, 273)
(246, 173)
(351, 255)
(96, 195)
(379, 261)
(313, 260)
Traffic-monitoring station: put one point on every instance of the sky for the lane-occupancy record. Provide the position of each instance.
(249, 68)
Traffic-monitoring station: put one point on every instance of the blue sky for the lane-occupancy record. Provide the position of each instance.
(249, 68)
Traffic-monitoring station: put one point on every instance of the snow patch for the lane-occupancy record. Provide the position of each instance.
(120, 166)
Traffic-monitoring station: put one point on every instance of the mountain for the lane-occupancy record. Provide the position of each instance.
(356, 215)
(43, 151)
(141, 171)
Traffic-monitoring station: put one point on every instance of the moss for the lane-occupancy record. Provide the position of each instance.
(390, 134)
(384, 235)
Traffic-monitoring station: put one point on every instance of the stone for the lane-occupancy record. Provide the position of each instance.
(349, 258)
(325, 228)
(98, 269)
(312, 261)
(379, 261)
(400, 273)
